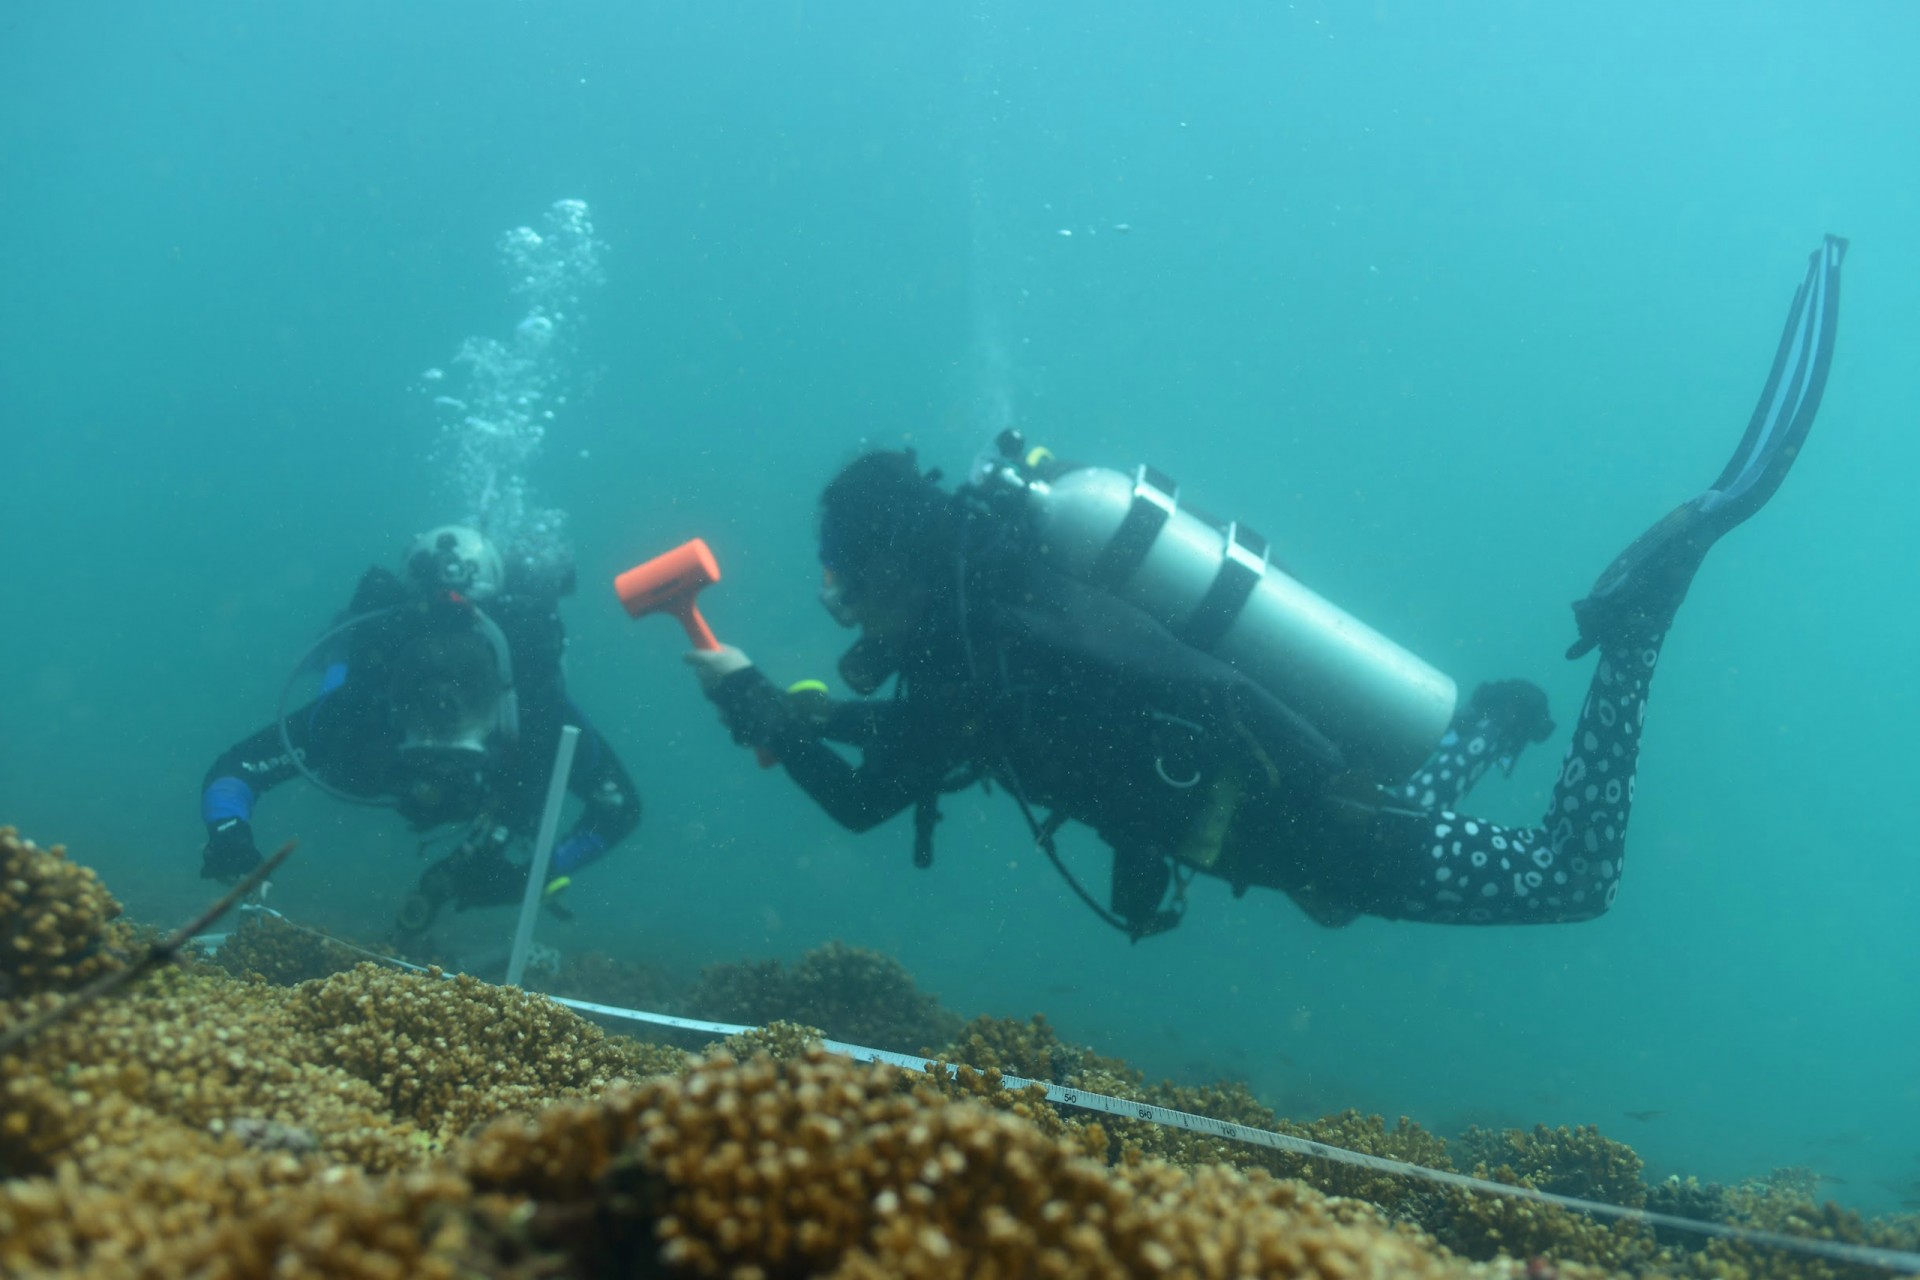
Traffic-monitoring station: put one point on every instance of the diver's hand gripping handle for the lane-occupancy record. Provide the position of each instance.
(670, 583)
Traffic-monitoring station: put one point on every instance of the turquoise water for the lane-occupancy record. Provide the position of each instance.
(1450, 305)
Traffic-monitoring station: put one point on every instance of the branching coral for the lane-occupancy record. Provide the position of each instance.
(59, 926)
(375, 1124)
(868, 998)
(851, 993)
(813, 1167)
(778, 1040)
(822, 1167)
(272, 950)
(1580, 1161)
(1687, 1198)
(1783, 1201)
(1031, 1049)
(446, 1054)
(184, 1053)
(1573, 1162)
(596, 976)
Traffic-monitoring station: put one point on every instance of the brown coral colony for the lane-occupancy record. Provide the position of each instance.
(370, 1123)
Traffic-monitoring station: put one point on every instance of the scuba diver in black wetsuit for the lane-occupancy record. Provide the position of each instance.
(443, 697)
(1110, 657)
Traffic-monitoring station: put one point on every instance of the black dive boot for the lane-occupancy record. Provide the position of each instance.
(1637, 595)
(1636, 598)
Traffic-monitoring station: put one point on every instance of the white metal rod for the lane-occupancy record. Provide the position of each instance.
(542, 853)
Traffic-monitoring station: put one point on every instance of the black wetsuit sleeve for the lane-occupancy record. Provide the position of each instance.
(259, 760)
(855, 722)
(898, 764)
(258, 763)
(323, 732)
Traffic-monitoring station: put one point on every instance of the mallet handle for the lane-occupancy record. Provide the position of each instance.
(696, 626)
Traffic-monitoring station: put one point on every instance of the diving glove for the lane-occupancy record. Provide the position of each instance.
(1513, 711)
(230, 852)
(751, 706)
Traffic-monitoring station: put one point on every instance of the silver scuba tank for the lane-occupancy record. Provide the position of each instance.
(1218, 590)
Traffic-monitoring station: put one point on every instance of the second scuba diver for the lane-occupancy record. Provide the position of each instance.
(1108, 657)
(443, 697)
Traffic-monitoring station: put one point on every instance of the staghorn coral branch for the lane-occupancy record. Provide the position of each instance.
(160, 953)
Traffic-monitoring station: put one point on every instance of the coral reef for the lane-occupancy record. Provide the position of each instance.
(369, 1069)
(269, 949)
(184, 1051)
(1580, 1161)
(202, 1125)
(1571, 1162)
(1031, 1049)
(447, 1053)
(1783, 1201)
(596, 976)
(59, 927)
(1370, 1135)
(227, 1217)
(197, 1098)
(813, 1167)
(851, 993)
(378, 1124)
(747, 991)
(1687, 1198)
(781, 1041)
(822, 1167)
(1029, 1102)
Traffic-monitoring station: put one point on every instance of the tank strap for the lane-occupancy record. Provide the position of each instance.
(1155, 498)
(1243, 563)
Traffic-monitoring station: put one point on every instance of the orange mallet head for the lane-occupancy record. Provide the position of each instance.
(668, 584)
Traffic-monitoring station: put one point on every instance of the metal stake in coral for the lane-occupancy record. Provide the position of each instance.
(542, 853)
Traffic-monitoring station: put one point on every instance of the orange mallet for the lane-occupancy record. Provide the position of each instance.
(668, 584)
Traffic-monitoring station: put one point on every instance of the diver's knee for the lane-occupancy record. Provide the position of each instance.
(1323, 908)
(1591, 905)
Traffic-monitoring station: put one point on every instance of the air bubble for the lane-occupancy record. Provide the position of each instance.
(494, 418)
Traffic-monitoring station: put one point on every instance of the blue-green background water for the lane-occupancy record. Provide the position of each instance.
(1449, 300)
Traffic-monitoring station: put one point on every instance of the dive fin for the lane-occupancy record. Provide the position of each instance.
(1639, 592)
(1791, 397)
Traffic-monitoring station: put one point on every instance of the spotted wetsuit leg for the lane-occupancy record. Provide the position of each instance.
(1427, 862)
(1438, 865)
(1465, 752)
